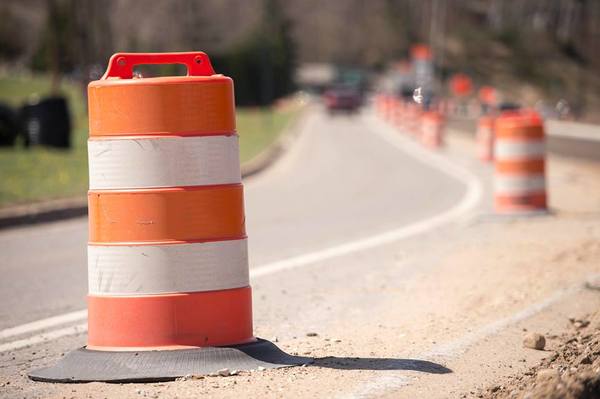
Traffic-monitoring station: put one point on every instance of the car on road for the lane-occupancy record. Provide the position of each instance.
(342, 98)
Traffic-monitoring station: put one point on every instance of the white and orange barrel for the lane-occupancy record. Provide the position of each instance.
(485, 138)
(389, 108)
(432, 129)
(380, 105)
(398, 113)
(519, 153)
(413, 119)
(167, 254)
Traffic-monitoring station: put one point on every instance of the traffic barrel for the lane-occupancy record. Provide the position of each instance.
(390, 104)
(413, 119)
(485, 138)
(167, 253)
(380, 105)
(432, 129)
(398, 118)
(519, 153)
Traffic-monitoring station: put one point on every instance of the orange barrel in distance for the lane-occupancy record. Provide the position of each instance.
(167, 256)
(380, 105)
(398, 113)
(432, 129)
(485, 138)
(519, 153)
(386, 107)
(413, 119)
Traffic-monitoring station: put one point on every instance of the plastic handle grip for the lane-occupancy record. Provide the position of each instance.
(121, 64)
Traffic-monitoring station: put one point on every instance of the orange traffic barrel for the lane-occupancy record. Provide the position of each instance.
(519, 153)
(413, 114)
(389, 108)
(432, 129)
(396, 119)
(167, 253)
(420, 52)
(485, 138)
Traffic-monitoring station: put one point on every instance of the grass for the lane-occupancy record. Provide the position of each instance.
(36, 174)
(258, 128)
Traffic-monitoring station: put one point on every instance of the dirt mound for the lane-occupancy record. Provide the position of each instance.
(571, 372)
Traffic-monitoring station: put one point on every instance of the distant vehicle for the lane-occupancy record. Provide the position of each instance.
(508, 106)
(344, 98)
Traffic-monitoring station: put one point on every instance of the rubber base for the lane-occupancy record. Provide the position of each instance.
(84, 365)
(517, 213)
(495, 216)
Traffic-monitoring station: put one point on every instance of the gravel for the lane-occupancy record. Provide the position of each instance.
(534, 341)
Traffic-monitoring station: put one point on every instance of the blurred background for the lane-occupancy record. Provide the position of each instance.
(475, 54)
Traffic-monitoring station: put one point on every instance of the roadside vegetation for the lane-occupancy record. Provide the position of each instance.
(34, 174)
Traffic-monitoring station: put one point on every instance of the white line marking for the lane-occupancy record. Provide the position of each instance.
(459, 345)
(469, 201)
(40, 338)
(398, 379)
(43, 324)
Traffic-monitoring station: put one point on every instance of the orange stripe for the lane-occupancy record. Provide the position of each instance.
(170, 321)
(520, 132)
(194, 107)
(175, 214)
(520, 202)
(524, 166)
(486, 122)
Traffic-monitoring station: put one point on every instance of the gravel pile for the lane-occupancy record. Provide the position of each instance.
(572, 371)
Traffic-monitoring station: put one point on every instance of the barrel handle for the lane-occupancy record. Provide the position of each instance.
(121, 64)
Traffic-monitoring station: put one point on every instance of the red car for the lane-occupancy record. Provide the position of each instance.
(342, 99)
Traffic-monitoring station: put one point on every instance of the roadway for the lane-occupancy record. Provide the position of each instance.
(341, 182)
(355, 234)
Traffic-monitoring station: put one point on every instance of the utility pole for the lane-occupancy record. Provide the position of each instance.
(437, 30)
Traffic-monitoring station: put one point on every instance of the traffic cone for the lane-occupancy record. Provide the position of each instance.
(169, 290)
(413, 117)
(432, 129)
(485, 138)
(520, 163)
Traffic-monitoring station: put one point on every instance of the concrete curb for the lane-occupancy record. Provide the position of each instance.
(41, 212)
(272, 153)
(66, 208)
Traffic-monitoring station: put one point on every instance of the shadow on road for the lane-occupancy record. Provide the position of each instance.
(373, 363)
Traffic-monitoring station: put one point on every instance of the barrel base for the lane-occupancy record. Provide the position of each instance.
(85, 365)
(523, 212)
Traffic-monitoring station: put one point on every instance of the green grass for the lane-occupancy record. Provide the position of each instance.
(258, 128)
(30, 175)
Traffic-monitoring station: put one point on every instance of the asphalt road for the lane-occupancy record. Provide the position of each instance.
(338, 183)
(369, 253)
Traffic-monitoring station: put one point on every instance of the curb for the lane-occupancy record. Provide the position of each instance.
(42, 212)
(67, 208)
(272, 153)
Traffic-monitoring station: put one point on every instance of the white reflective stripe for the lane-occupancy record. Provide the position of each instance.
(163, 162)
(519, 184)
(511, 149)
(156, 269)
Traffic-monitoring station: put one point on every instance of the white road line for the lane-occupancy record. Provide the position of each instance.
(459, 345)
(398, 379)
(40, 338)
(43, 324)
(468, 202)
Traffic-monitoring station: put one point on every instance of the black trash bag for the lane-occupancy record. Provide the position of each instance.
(9, 126)
(47, 122)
